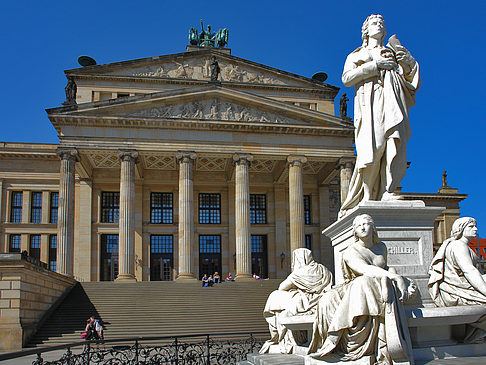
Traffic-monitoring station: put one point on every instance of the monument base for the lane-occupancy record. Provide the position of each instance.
(406, 227)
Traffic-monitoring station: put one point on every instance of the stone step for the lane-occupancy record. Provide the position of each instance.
(158, 309)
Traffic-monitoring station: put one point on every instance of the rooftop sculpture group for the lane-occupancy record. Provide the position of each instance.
(207, 38)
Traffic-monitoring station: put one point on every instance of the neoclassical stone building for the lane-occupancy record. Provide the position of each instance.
(162, 174)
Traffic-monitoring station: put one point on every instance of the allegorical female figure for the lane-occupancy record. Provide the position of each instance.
(296, 295)
(355, 319)
(385, 80)
(454, 279)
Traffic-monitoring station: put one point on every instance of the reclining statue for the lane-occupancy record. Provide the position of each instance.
(363, 316)
(454, 278)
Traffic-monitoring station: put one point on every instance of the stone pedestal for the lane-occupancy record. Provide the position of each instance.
(186, 208)
(406, 227)
(126, 259)
(242, 217)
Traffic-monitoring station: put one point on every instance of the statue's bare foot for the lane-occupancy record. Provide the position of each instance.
(387, 196)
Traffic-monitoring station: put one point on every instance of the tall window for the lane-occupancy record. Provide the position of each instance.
(258, 208)
(35, 245)
(52, 252)
(307, 209)
(308, 241)
(16, 207)
(161, 208)
(14, 243)
(110, 207)
(35, 207)
(54, 205)
(209, 208)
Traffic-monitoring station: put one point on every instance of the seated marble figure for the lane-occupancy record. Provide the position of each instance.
(454, 278)
(296, 295)
(363, 316)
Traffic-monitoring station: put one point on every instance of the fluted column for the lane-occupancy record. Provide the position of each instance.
(186, 209)
(346, 171)
(126, 225)
(242, 216)
(296, 202)
(65, 211)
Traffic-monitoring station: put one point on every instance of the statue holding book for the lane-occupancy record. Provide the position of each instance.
(385, 80)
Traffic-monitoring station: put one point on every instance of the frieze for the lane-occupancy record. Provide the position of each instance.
(200, 69)
(212, 109)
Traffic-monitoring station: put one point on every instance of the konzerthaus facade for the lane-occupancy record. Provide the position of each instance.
(162, 174)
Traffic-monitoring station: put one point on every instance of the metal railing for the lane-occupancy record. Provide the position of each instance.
(219, 348)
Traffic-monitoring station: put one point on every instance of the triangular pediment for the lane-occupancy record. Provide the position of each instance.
(197, 66)
(210, 103)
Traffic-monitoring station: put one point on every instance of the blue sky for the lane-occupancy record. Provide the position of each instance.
(40, 39)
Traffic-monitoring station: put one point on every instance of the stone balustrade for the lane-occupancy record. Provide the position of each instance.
(27, 292)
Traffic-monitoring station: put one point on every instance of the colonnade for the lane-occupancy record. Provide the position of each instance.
(128, 160)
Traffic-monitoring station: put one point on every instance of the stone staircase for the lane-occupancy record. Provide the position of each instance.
(158, 309)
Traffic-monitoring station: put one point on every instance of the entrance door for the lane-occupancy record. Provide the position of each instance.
(161, 257)
(259, 264)
(109, 257)
(209, 255)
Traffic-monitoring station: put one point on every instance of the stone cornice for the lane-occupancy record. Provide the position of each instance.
(330, 94)
(59, 120)
(434, 196)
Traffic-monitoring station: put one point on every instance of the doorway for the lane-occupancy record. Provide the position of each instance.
(109, 257)
(259, 263)
(161, 257)
(209, 255)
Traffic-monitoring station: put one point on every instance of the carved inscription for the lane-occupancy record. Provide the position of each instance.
(403, 253)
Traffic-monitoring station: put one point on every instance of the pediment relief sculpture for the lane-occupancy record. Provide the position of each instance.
(200, 69)
(213, 109)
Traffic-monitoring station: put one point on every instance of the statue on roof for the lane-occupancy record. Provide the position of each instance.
(207, 38)
(70, 90)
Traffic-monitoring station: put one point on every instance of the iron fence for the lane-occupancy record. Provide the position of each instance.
(221, 348)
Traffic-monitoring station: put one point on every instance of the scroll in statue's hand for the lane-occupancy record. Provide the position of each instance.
(405, 59)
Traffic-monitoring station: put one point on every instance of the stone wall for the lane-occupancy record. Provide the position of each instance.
(27, 292)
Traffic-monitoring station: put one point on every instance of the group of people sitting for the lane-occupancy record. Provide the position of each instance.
(94, 329)
(214, 278)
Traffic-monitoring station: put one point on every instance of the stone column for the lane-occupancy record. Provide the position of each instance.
(296, 202)
(126, 253)
(346, 171)
(186, 212)
(242, 216)
(65, 213)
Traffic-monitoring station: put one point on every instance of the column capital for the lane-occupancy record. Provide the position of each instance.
(128, 155)
(242, 158)
(346, 162)
(68, 153)
(186, 156)
(296, 160)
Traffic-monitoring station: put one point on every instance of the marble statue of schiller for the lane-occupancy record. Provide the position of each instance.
(385, 80)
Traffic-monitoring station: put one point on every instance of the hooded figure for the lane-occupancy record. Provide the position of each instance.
(296, 295)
